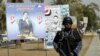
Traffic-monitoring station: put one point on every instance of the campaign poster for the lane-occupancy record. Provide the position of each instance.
(25, 20)
(54, 15)
(53, 18)
(53, 22)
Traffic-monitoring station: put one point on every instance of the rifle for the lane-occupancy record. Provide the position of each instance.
(58, 49)
(64, 36)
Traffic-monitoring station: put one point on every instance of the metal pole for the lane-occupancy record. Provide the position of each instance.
(38, 43)
(45, 48)
(7, 48)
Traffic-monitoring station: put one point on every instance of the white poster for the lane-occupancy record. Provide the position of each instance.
(53, 20)
(53, 24)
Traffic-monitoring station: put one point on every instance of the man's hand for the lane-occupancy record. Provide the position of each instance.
(71, 54)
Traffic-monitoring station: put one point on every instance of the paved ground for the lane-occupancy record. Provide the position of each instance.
(86, 40)
(33, 50)
(94, 49)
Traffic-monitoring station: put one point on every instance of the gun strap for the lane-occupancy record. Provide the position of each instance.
(66, 35)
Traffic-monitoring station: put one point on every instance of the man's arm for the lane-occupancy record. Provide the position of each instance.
(56, 40)
(78, 40)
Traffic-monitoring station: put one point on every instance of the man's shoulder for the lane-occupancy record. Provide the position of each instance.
(60, 32)
(77, 33)
(75, 30)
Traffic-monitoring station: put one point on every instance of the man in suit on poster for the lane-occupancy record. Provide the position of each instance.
(25, 24)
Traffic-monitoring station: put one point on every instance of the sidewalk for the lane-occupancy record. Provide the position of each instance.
(86, 40)
(94, 48)
(88, 34)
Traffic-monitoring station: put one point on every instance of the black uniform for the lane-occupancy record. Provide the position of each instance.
(25, 28)
(67, 42)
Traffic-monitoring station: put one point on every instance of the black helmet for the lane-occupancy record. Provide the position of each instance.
(67, 20)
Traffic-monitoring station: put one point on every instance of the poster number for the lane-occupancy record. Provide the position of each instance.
(12, 19)
(39, 18)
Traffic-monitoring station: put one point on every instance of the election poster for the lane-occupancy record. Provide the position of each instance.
(53, 24)
(52, 18)
(25, 20)
(54, 15)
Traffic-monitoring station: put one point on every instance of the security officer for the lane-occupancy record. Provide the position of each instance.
(67, 42)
